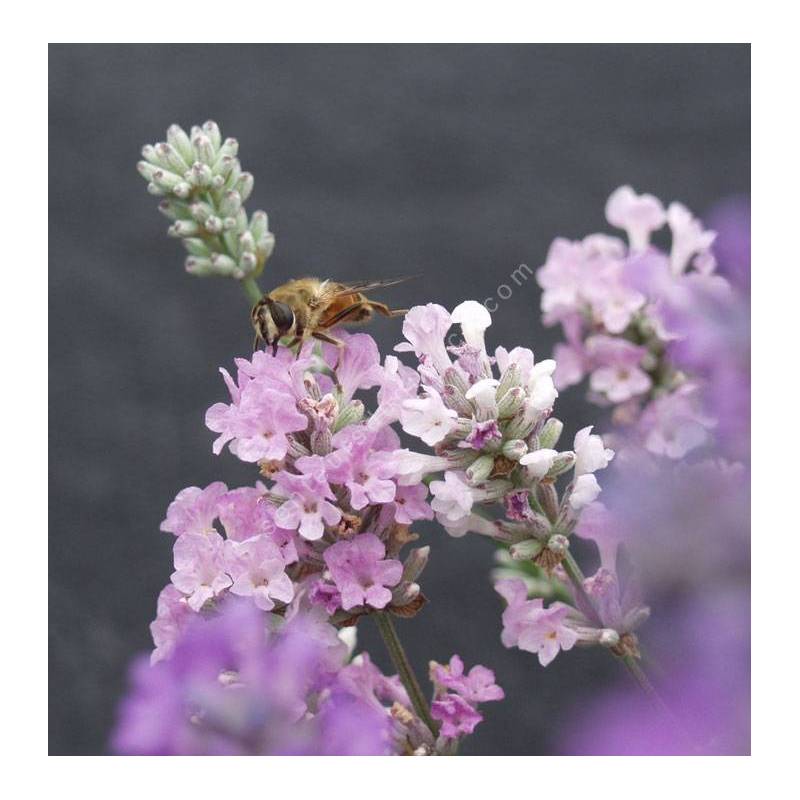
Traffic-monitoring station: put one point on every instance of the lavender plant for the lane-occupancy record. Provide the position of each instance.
(269, 578)
(637, 321)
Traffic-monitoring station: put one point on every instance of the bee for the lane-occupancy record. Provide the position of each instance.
(309, 307)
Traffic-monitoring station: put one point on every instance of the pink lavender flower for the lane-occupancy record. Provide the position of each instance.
(675, 424)
(257, 569)
(688, 236)
(527, 624)
(261, 415)
(200, 569)
(410, 505)
(477, 686)
(361, 572)
(637, 215)
(307, 508)
(398, 383)
(627, 313)
(357, 466)
(243, 514)
(452, 498)
(357, 364)
(457, 716)
(194, 510)
(172, 615)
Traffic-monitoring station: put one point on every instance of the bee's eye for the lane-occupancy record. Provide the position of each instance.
(282, 315)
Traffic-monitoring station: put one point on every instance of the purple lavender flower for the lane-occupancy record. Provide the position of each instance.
(229, 689)
(200, 568)
(527, 624)
(194, 510)
(257, 569)
(361, 572)
(262, 412)
(307, 508)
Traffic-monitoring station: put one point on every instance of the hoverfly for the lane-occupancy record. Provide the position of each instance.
(309, 307)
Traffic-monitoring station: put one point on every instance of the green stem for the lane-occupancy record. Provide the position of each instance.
(251, 289)
(405, 671)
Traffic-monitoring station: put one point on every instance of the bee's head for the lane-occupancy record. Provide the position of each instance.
(274, 320)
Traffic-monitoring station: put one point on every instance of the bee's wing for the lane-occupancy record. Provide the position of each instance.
(352, 287)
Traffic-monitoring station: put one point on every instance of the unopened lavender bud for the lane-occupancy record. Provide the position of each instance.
(608, 637)
(182, 190)
(514, 449)
(550, 433)
(403, 594)
(165, 179)
(147, 170)
(245, 185)
(197, 247)
(415, 563)
(211, 129)
(247, 244)
(171, 157)
(548, 499)
(494, 490)
(200, 211)
(150, 154)
(480, 469)
(248, 262)
(203, 149)
(509, 380)
(172, 209)
(213, 224)
(223, 166)
(558, 544)
(455, 390)
(634, 618)
(526, 550)
(230, 146)
(511, 403)
(199, 266)
(200, 174)
(233, 174)
(184, 227)
(179, 139)
(349, 415)
(264, 246)
(155, 190)
(229, 223)
(521, 425)
(231, 203)
(561, 464)
(224, 265)
(259, 225)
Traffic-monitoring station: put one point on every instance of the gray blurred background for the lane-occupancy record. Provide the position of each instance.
(457, 162)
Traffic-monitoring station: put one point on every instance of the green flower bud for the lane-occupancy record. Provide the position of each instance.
(550, 433)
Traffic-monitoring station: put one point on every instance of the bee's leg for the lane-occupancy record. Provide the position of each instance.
(255, 342)
(324, 337)
(295, 341)
(383, 309)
